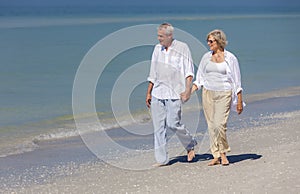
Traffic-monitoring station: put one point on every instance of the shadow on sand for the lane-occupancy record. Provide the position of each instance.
(203, 157)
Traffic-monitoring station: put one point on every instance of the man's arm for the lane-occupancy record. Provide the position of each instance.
(185, 96)
(148, 95)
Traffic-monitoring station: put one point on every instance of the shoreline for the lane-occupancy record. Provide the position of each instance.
(66, 127)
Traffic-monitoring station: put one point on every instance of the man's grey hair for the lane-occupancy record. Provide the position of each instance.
(167, 27)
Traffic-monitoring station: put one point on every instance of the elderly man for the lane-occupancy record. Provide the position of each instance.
(170, 82)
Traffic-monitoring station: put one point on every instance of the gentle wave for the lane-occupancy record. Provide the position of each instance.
(141, 117)
(68, 130)
(13, 148)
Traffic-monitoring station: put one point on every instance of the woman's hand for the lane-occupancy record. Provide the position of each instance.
(194, 88)
(239, 107)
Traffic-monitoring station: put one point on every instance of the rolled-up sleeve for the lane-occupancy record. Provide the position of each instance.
(236, 75)
(199, 81)
(152, 74)
(188, 63)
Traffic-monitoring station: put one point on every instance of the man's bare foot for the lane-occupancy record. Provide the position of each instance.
(214, 161)
(190, 155)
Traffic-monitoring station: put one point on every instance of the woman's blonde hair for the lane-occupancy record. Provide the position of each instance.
(219, 36)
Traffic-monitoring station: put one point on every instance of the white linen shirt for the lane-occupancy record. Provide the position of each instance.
(233, 75)
(169, 70)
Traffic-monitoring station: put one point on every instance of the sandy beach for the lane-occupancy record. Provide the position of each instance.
(263, 160)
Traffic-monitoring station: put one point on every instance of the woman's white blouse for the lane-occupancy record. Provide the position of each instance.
(216, 77)
(231, 80)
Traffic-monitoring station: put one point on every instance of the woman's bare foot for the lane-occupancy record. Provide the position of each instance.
(214, 161)
(224, 160)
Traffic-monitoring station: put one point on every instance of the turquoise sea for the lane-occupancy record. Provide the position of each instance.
(41, 50)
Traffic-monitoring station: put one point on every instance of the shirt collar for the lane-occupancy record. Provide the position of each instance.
(172, 44)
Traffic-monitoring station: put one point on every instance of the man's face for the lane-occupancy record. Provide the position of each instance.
(164, 40)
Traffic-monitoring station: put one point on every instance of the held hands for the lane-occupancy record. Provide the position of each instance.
(185, 96)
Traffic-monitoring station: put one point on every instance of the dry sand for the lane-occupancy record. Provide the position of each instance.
(263, 160)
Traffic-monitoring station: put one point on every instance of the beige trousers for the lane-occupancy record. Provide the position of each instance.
(216, 107)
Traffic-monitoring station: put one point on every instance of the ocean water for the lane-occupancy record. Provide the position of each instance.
(41, 51)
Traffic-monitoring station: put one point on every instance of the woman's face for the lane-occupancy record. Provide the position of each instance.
(212, 43)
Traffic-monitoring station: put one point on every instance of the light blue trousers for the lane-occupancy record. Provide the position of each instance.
(166, 114)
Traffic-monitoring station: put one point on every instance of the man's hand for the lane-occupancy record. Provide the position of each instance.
(185, 96)
(148, 95)
(148, 100)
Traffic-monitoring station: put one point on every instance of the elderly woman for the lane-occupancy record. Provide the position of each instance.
(219, 75)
